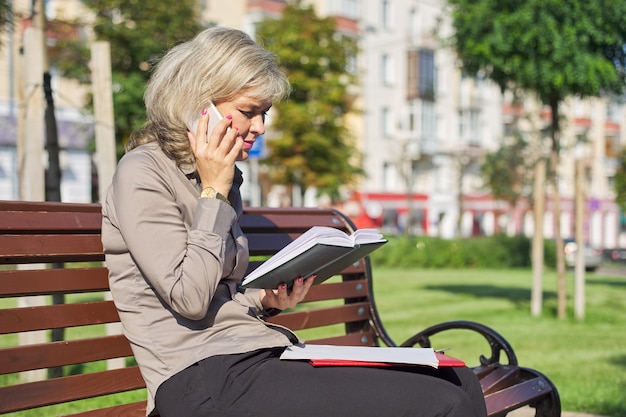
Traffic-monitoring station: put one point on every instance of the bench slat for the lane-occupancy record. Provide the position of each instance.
(137, 409)
(268, 243)
(350, 339)
(299, 320)
(53, 354)
(295, 219)
(517, 395)
(338, 290)
(18, 283)
(49, 206)
(69, 388)
(498, 378)
(50, 248)
(15, 320)
(34, 222)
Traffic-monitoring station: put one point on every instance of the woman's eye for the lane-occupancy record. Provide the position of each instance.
(251, 114)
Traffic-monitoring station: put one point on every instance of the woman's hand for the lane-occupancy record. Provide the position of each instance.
(216, 155)
(283, 298)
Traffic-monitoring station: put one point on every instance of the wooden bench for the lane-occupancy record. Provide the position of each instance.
(66, 238)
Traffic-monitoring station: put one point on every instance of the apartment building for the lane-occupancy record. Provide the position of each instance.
(423, 128)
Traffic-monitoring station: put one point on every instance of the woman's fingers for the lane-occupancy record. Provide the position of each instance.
(283, 297)
(217, 153)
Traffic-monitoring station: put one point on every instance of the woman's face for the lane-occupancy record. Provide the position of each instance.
(248, 116)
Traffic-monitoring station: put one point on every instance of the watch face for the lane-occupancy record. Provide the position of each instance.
(208, 192)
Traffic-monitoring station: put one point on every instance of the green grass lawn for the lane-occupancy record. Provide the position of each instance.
(586, 359)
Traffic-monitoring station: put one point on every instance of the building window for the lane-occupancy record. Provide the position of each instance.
(413, 25)
(427, 74)
(469, 126)
(612, 111)
(611, 146)
(386, 122)
(421, 74)
(428, 122)
(390, 176)
(387, 70)
(345, 8)
(385, 14)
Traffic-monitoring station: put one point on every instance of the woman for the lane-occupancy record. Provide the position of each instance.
(176, 254)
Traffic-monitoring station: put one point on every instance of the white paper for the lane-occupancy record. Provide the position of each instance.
(401, 355)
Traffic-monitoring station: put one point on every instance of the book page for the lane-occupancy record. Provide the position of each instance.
(398, 355)
(366, 236)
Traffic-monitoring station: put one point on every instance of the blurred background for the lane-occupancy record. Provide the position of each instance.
(393, 119)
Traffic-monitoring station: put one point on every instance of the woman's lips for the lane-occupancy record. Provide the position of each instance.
(248, 145)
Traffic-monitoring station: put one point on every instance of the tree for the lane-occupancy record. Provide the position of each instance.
(139, 33)
(506, 171)
(6, 17)
(553, 48)
(312, 147)
(620, 181)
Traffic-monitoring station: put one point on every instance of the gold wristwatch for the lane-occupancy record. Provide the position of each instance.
(210, 192)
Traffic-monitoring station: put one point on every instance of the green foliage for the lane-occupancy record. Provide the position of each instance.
(499, 251)
(619, 183)
(313, 147)
(5, 17)
(552, 47)
(139, 33)
(506, 172)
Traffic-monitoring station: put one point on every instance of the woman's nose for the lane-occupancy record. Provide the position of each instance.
(257, 125)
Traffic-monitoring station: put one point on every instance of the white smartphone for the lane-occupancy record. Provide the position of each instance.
(214, 117)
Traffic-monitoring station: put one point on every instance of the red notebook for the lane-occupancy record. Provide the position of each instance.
(444, 360)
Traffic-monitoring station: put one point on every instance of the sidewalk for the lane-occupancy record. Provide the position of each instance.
(530, 412)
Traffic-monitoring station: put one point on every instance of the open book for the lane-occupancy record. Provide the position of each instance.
(330, 355)
(321, 250)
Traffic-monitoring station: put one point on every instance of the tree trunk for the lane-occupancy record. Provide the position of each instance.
(536, 294)
(554, 180)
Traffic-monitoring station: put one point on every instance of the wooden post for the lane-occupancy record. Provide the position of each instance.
(579, 271)
(106, 159)
(30, 142)
(536, 295)
(30, 154)
(105, 142)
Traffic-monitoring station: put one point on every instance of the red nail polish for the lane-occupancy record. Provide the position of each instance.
(204, 111)
(229, 117)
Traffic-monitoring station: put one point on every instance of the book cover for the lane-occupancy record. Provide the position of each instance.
(321, 251)
(443, 360)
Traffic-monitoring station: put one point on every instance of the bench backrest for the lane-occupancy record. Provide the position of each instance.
(54, 250)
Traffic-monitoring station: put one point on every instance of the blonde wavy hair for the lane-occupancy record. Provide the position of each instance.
(217, 65)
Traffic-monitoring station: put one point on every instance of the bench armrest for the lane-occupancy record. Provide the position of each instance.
(497, 343)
